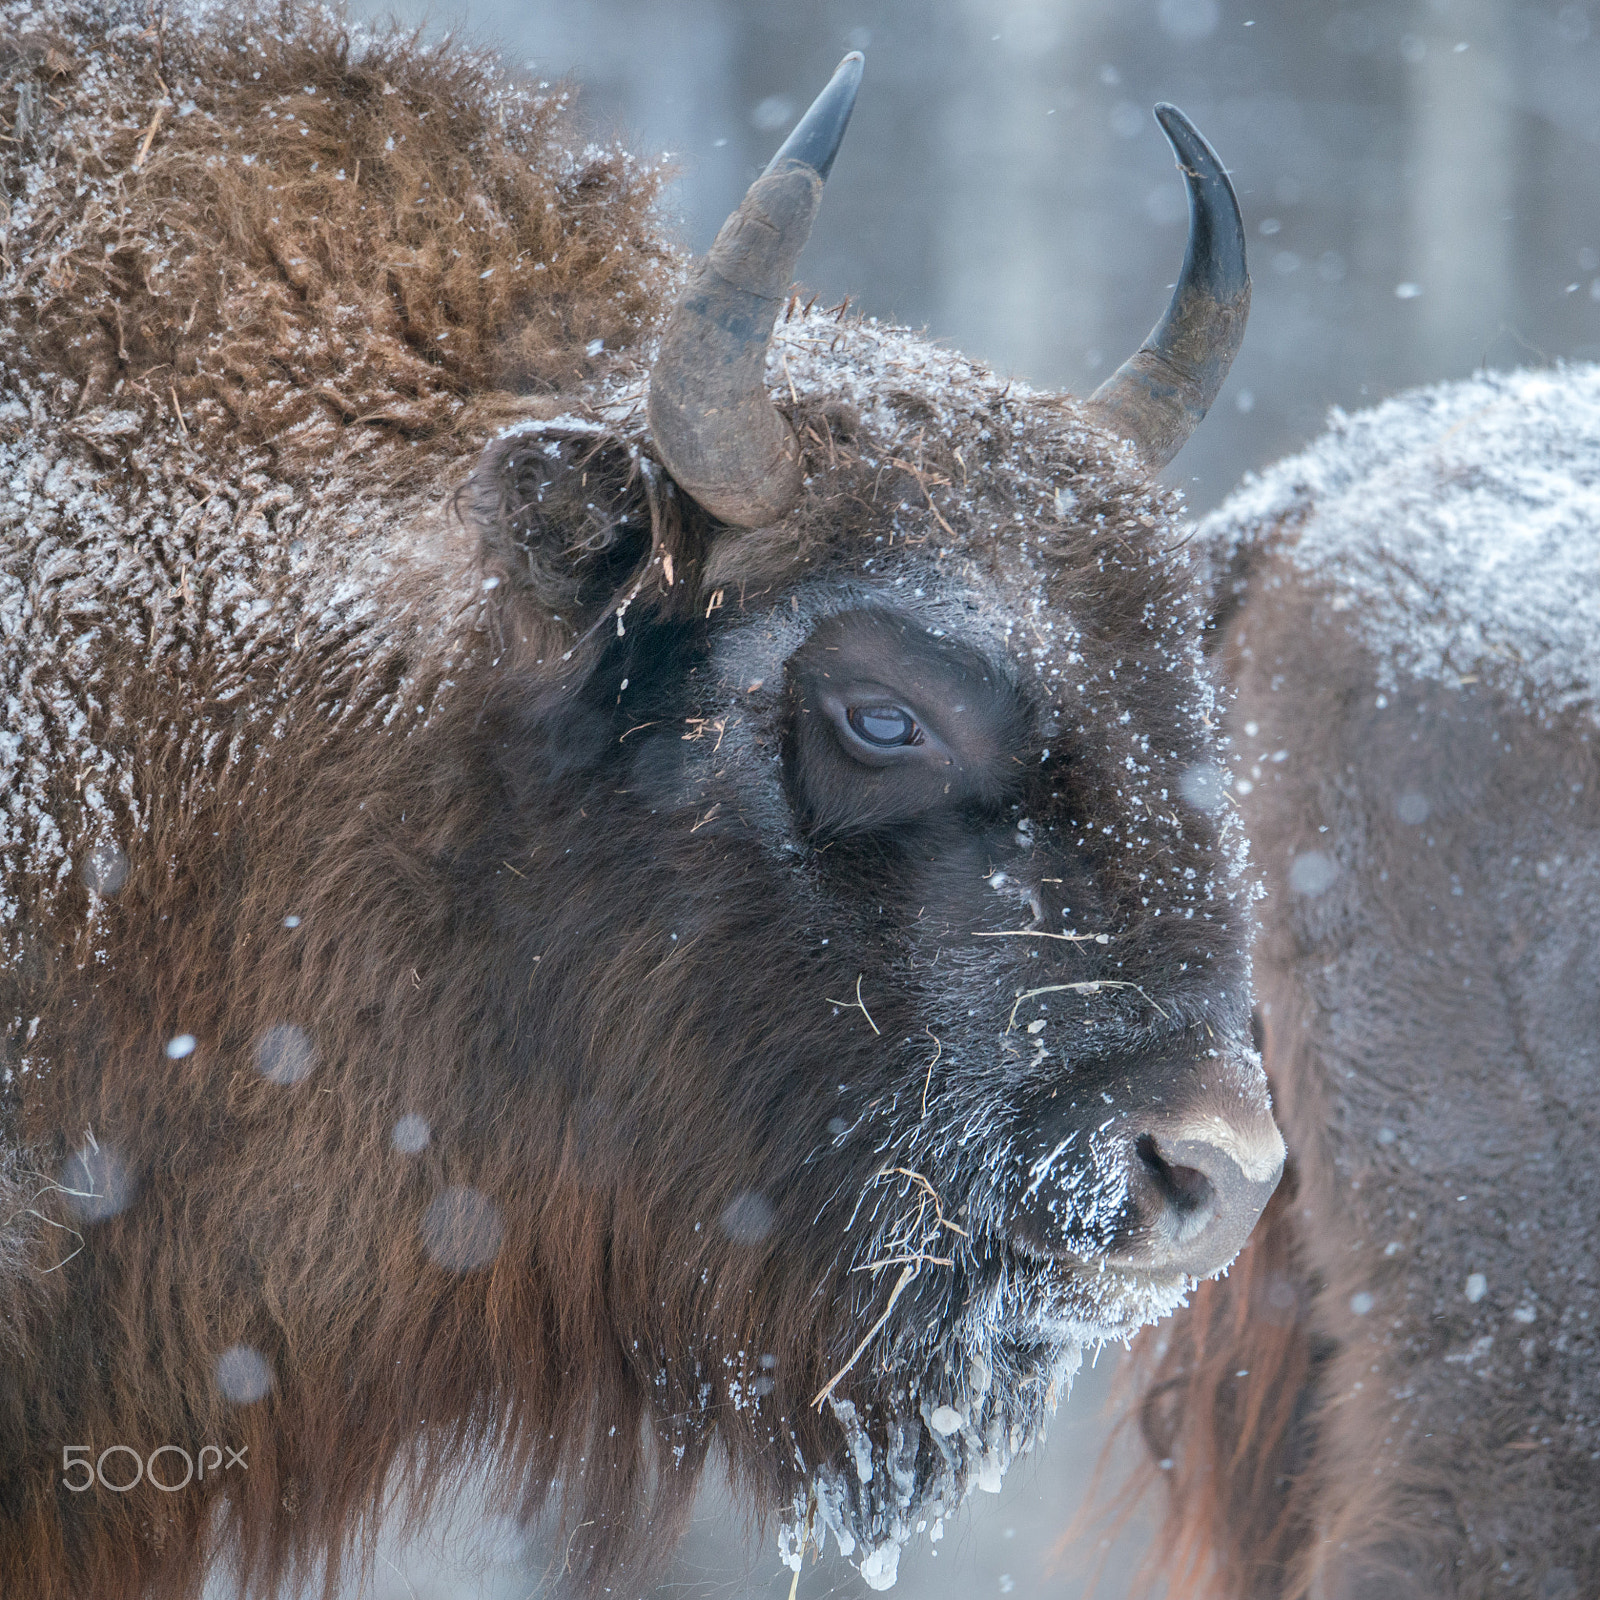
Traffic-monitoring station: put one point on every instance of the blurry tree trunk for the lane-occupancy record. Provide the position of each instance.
(1029, 240)
(1463, 193)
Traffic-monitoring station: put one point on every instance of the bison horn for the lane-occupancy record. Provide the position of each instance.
(1158, 397)
(717, 432)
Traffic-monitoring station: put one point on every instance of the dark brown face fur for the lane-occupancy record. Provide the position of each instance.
(776, 862)
(633, 986)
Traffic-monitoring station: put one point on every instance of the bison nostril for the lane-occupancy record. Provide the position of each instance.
(1186, 1190)
(1191, 1187)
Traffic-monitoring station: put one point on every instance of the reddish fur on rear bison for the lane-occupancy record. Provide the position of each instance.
(558, 904)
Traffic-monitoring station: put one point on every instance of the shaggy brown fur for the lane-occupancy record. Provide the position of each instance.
(1222, 1395)
(271, 230)
(414, 974)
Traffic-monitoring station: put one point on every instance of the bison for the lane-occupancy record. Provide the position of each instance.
(584, 877)
(1397, 1390)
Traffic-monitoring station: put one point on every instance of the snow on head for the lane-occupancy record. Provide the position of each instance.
(1483, 565)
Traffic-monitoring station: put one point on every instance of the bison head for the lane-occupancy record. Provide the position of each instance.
(871, 934)
(776, 976)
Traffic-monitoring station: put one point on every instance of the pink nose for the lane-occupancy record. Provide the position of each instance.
(1191, 1204)
(1191, 1187)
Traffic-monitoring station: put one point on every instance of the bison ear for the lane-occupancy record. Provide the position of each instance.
(563, 515)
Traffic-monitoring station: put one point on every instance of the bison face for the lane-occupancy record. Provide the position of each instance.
(1027, 903)
(891, 993)
(890, 1000)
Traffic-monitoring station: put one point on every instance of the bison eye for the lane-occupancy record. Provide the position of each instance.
(883, 726)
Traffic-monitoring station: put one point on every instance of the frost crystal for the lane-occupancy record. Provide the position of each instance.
(747, 1218)
(285, 1053)
(96, 1182)
(410, 1134)
(462, 1229)
(243, 1375)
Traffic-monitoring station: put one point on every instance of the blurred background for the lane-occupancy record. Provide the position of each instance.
(1421, 189)
(1420, 178)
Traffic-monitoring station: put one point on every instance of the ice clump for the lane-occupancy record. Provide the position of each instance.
(880, 1567)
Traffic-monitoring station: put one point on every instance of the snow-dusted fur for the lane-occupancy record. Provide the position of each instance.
(437, 1017)
(1397, 1390)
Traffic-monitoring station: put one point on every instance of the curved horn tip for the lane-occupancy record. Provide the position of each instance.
(713, 423)
(1158, 396)
(818, 134)
(1226, 272)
